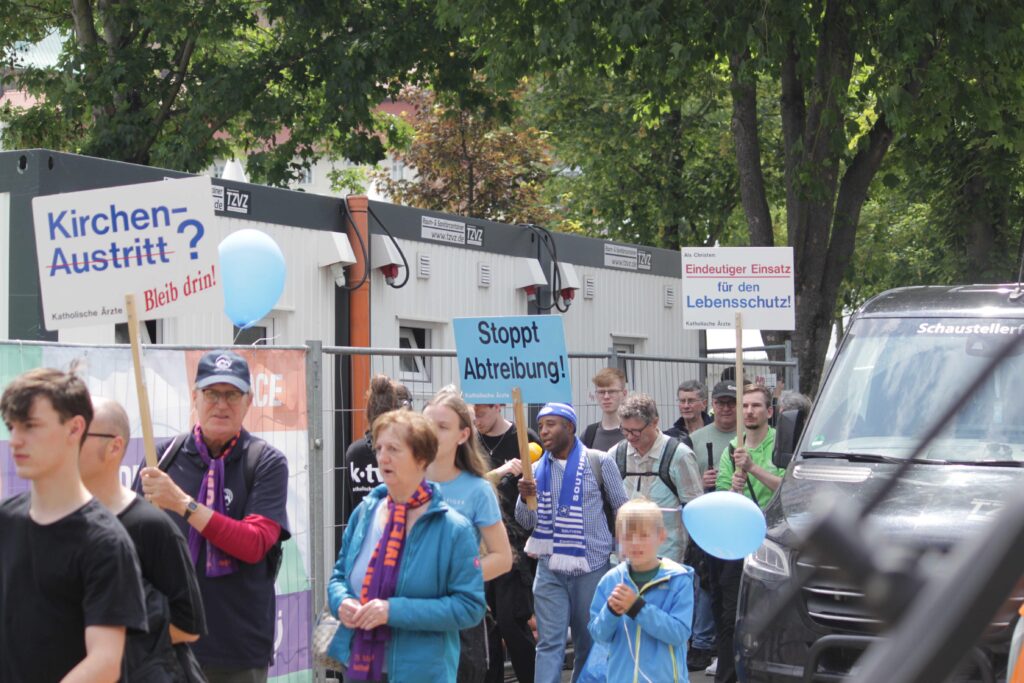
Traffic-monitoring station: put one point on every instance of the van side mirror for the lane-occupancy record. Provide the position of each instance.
(787, 434)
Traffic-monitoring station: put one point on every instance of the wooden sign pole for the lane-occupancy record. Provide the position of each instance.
(519, 414)
(148, 444)
(739, 379)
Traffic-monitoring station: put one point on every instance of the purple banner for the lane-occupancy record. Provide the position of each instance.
(292, 633)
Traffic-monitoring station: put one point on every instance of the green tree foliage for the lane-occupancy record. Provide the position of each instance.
(471, 162)
(636, 170)
(851, 78)
(175, 84)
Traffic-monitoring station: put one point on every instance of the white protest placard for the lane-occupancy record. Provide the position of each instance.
(719, 282)
(151, 240)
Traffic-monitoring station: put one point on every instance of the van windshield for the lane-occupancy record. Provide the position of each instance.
(896, 376)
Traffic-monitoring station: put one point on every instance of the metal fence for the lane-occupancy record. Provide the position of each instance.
(336, 416)
(334, 377)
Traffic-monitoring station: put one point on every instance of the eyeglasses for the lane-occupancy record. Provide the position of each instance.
(101, 435)
(607, 392)
(634, 432)
(230, 397)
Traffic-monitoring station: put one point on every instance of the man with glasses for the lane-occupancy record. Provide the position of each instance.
(609, 391)
(657, 467)
(174, 607)
(226, 489)
(693, 404)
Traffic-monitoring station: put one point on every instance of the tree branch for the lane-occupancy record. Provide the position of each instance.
(85, 30)
(177, 79)
(853, 192)
(748, 154)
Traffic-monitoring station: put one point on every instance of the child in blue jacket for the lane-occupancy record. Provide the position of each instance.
(643, 607)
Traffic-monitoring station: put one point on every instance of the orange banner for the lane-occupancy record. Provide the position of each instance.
(278, 387)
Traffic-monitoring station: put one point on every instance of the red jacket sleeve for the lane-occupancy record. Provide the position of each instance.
(248, 539)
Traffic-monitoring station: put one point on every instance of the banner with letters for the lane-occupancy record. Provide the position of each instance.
(278, 414)
(719, 282)
(151, 240)
(498, 354)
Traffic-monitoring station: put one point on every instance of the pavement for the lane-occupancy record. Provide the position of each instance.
(695, 677)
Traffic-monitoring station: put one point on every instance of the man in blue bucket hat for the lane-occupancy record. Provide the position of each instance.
(574, 487)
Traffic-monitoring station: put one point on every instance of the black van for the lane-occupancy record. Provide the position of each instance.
(908, 354)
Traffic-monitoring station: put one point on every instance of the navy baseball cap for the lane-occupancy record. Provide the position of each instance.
(562, 410)
(216, 367)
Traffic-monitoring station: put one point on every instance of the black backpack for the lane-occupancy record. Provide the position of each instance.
(664, 467)
(275, 555)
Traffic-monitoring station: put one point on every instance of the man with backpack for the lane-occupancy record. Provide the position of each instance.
(658, 467)
(227, 489)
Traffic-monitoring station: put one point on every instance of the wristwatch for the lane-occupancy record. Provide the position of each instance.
(190, 507)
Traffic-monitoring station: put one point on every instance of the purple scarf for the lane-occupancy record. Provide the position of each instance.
(370, 647)
(211, 494)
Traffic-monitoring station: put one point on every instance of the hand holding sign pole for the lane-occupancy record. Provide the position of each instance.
(519, 414)
(739, 382)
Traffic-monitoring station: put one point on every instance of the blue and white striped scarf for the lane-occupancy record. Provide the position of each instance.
(564, 541)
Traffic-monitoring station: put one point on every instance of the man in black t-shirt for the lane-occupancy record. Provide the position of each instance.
(69, 578)
(509, 596)
(173, 604)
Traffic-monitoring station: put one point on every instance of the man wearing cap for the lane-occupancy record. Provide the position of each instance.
(570, 536)
(227, 490)
(709, 443)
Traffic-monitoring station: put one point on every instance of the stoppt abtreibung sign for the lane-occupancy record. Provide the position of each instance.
(497, 354)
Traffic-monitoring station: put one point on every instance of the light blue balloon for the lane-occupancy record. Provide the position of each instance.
(725, 524)
(252, 275)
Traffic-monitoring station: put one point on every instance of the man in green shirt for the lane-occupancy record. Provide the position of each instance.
(753, 461)
(748, 471)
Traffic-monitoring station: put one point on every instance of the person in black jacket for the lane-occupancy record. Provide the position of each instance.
(509, 596)
(360, 460)
(174, 606)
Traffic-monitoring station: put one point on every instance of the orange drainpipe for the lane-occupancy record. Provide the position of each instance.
(359, 313)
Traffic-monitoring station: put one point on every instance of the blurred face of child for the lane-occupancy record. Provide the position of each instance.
(639, 540)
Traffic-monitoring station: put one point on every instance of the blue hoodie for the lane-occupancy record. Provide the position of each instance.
(440, 591)
(650, 648)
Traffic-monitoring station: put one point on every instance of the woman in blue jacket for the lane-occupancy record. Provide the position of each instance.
(408, 575)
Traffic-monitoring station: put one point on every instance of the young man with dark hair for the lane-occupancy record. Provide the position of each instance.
(69, 578)
(173, 604)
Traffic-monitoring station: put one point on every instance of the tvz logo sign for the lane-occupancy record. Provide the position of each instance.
(237, 201)
(643, 260)
(474, 236)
